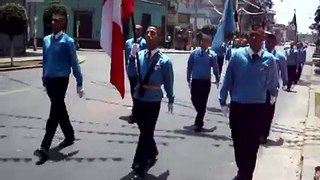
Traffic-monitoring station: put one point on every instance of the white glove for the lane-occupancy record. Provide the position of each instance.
(134, 49)
(225, 110)
(80, 91)
(273, 100)
(170, 107)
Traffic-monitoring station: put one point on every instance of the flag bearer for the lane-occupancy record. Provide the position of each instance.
(155, 70)
(271, 42)
(250, 73)
(200, 63)
(131, 70)
(292, 64)
(59, 57)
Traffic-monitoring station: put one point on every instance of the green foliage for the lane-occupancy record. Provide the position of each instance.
(13, 19)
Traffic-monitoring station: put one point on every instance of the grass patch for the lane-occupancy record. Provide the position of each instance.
(317, 99)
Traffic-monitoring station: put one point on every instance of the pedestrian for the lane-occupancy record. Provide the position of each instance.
(292, 64)
(131, 70)
(59, 57)
(200, 63)
(271, 42)
(155, 70)
(249, 74)
(302, 56)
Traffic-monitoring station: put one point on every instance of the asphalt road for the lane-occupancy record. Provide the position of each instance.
(106, 142)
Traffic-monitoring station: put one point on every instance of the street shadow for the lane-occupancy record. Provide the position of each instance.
(162, 176)
(214, 109)
(56, 156)
(304, 83)
(204, 130)
(125, 118)
(211, 136)
(271, 142)
(290, 91)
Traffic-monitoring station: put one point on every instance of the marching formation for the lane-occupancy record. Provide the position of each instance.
(247, 73)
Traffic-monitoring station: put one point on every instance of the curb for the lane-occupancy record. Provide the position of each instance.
(308, 162)
(82, 59)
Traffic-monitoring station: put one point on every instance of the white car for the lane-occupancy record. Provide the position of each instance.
(286, 45)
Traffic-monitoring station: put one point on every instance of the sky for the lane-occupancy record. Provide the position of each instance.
(305, 10)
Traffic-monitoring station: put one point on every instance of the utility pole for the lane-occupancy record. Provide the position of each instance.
(166, 19)
(196, 6)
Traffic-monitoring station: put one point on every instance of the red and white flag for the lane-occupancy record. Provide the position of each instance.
(112, 39)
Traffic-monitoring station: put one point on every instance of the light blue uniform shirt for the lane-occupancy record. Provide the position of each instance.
(281, 66)
(246, 80)
(131, 70)
(200, 63)
(162, 75)
(59, 56)
(292, 57)
(302, 55)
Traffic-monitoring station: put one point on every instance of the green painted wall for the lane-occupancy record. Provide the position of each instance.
(95, 6)
(156, 11)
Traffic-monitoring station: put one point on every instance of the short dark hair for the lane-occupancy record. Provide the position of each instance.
(156, 27)
(271, 36)
(60, 10)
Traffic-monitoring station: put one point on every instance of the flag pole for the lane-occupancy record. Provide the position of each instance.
(296, 27)
(135, 41)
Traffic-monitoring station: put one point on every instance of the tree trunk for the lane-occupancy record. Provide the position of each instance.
(11, 51)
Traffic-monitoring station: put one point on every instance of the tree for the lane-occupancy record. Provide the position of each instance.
(13, 21)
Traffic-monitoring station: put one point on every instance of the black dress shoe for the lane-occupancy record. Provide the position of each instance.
(197, 129)
(263, 140)
(42, 154)
(138, 172)
(136, 177)
(66, 143)
(131, 119)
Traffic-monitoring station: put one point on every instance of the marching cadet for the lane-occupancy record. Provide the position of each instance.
(200, 62)
(59, 56)
(249, 74)
(155, 70)
(131, 70)
(271, 42)
(292, 64)
(302, 56)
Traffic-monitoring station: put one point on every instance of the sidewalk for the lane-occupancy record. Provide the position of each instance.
(311, 148)
(32, 59)
(281, 158)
